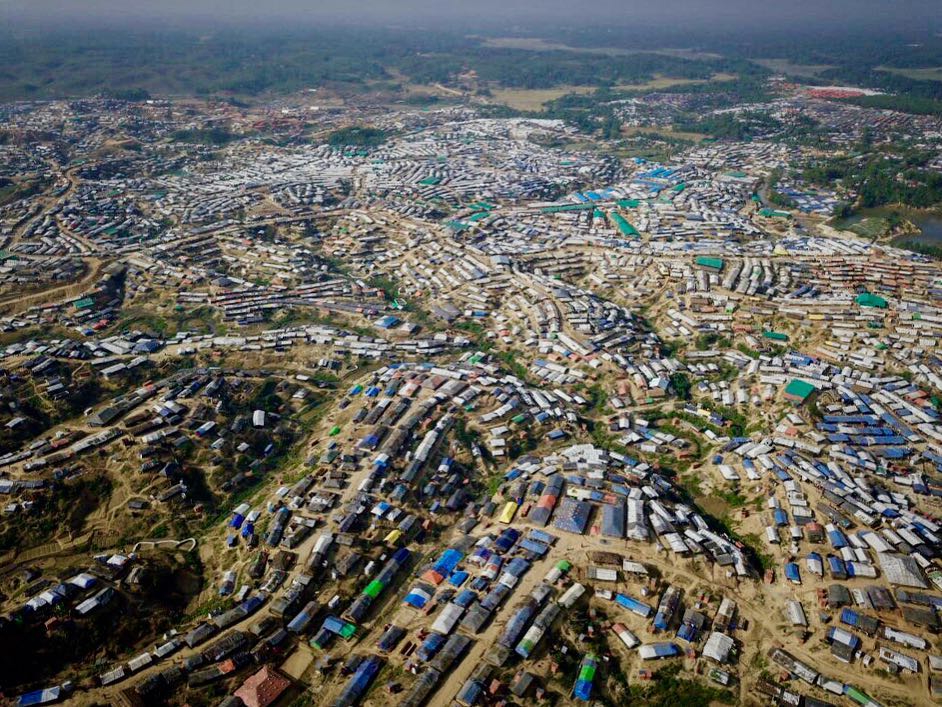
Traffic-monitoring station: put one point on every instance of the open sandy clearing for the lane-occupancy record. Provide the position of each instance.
(537, 98)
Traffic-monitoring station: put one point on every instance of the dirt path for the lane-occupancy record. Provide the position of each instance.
(17, 303)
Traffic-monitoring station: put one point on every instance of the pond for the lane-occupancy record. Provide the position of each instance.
(930, 223)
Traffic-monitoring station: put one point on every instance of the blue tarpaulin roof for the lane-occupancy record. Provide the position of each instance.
(633, 605)
(458, 578)
(573, 515)
(792, 572)
(537, 548)
(583, 690)
(39, 697)
(447, 562)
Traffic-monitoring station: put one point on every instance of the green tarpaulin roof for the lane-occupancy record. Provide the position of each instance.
(714, 263)
(566, 207)
(799, 389)
(868, 299)
(373, 589)
(626, 228)
(772, 213)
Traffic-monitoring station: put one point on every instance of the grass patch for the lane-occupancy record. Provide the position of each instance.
(668, 689)
(206, 136)
(873, 227)
(734, 499)
(357, 135)
(754, 542)
(784, 66)
(597, 397)
(509, 359)
(534, 99)
(931, 73)
(668, 133)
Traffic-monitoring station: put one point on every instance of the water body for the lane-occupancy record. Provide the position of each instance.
(930, 223)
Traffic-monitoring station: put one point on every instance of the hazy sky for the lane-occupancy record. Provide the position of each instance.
(458, 13)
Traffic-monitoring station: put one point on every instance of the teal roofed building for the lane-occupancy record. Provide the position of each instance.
(868, 299)
(798, 391)
(715, 264)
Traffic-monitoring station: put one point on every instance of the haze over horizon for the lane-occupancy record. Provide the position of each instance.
(676, 14)
(470, 352)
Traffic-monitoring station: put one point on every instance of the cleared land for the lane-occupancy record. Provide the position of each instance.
(784, 66)
(930, 73)
(665, 131)
(538, 44)
(536, 98)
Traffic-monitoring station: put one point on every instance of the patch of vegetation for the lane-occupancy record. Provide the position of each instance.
(682, 434)
(465, 436)
(475, 328)
(266, 398)
(933, 251)
(494, 483)
(357, 136)
(776, 197)
(603, 438)
(668, 689)
(754, 542)
(751, 353)
(712, 340)
(597, 396)
(698, 422)
(691, 483)
(509, 359)
(205, 136)
(670, 348)
(680, 382)
(388, 285)
(11, 191)
(733, 498)
(73, 643)
(738, 126)
(64, 507)
(897, 176)
(127, 94)
(750, 543)
(737, 421)
(900, 102)
(525, 443)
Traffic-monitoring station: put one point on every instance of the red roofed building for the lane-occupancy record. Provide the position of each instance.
(263, 688)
